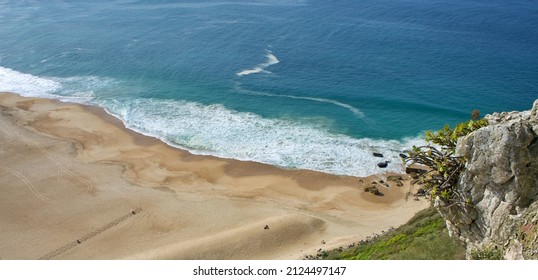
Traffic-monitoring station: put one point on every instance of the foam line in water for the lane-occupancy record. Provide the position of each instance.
(358, 113)
(260, 68)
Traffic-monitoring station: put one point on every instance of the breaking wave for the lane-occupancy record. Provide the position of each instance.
(218, 131)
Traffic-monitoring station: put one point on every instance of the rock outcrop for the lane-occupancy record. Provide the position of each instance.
(500, 183)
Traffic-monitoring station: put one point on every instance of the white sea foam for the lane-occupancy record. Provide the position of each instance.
(80, 89)
(216, 130)
(26, 84)
(260, 68)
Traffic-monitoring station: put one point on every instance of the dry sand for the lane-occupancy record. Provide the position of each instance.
(75, 184)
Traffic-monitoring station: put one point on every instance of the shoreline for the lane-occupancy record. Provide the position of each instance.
(192, 206)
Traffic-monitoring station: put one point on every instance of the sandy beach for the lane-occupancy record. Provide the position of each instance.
(76, 184)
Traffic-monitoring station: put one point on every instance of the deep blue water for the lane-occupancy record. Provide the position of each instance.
(300, 84)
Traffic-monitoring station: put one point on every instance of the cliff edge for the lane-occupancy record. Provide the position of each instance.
(500, 184)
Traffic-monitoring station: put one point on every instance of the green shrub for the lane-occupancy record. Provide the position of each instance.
(424, 237)
(444, 166)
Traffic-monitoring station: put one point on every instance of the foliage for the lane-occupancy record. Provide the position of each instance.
(424, 237)
(444, 166)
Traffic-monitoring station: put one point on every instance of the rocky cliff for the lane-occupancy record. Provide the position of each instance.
(500, 183)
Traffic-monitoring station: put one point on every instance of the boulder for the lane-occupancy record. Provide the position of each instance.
(414, 168)
(378, 154)
(373, 190)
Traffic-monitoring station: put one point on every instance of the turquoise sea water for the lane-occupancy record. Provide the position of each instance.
(298, 84)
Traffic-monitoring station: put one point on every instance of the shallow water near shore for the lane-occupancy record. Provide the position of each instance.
(297, 84)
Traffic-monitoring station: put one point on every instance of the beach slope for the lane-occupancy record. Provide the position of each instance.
(76, 184)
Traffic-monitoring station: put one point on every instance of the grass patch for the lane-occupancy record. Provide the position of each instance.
(424, 237)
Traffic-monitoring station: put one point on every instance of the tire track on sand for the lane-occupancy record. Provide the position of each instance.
(62, 168)
(12, 134)
(90, 235)
(28, 184)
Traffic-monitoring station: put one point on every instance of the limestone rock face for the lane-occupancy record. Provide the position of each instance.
(501, 182)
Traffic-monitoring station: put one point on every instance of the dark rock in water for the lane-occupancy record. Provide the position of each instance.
(378, 155)
(404, 156)
(383, 164)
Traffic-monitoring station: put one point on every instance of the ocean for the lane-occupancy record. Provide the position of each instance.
(317, 85)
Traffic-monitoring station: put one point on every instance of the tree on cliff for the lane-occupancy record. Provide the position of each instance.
(444, 166)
